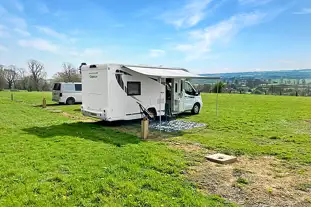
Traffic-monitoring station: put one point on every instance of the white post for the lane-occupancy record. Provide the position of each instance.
(160, 105)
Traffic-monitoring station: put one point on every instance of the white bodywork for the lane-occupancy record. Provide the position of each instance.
(63, 92)
(108, 91)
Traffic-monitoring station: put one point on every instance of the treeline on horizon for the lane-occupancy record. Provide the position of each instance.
(286, 74)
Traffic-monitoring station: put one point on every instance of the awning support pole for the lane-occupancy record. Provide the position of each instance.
(217, 89)
(160, 105)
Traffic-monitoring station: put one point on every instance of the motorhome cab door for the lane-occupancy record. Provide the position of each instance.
(188, 96)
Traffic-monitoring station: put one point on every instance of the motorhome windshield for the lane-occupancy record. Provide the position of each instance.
(189, 89)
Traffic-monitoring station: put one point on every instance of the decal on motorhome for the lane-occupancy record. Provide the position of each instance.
(93, 74)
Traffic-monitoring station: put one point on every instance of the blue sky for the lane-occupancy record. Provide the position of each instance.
(205, 36)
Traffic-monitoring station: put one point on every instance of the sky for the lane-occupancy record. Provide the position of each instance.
(204, 36)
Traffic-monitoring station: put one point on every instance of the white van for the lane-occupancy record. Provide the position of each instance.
(67, 93)
(114, 92)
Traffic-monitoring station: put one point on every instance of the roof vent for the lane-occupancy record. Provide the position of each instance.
(81, 67)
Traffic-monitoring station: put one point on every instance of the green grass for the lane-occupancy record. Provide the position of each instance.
(256, 125)
(49, 160)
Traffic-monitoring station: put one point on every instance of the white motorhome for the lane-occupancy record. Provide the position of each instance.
(123, 92)
(67, 93)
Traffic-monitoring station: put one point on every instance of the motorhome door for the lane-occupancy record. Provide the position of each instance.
(177, 89)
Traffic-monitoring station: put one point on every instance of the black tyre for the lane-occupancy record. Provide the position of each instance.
(152, 112)
(70, 101)
(196, 108)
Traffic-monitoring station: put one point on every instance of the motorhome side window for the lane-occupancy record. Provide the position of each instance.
(78, 87)
(133, 88)
(188, 89)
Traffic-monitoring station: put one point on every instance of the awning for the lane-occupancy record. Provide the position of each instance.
(166, 72)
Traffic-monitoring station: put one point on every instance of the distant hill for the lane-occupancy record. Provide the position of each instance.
(285, 74)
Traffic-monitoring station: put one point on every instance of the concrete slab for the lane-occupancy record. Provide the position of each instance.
(221, 158)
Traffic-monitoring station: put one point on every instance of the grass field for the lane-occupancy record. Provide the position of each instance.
(253, 124)
(51, 158)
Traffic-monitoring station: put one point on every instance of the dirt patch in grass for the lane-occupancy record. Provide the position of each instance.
(263, 181)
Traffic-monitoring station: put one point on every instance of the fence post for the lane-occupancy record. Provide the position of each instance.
(144, 128)
(12, 97)
(44, 103)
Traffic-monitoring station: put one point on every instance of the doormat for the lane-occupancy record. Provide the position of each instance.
(174, 125)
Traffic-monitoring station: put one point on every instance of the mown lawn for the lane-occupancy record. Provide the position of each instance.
(48, 159)
(256, 125)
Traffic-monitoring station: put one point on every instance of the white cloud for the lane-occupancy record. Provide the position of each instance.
(87, 53)
(254, 2)
(188, 16)
(304, 11)
(73, 40)
(201, 41)
(156, 53)
(22, 32)
(3, 48)
(18, 22)
(19, 6)
(39, 44)
(51, 32)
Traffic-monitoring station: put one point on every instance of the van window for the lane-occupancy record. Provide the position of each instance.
(56, 86)
(133, 88)
(78, 87)
(68, 87)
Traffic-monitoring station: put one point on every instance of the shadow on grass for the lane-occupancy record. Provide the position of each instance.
(90, 131)
(58, 104)
(49, 105)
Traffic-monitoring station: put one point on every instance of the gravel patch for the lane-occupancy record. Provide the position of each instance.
(175, 125)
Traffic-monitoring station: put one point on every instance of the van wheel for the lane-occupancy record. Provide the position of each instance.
(196, 109)
(152, 112)
(70, 101)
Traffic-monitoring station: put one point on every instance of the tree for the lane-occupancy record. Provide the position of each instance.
(2, 79)
(218, 87)
(281, 80)
(10, 75)
(23, 79)
(236, 82)
(36, 70)
(304, 81)
(69, 74)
